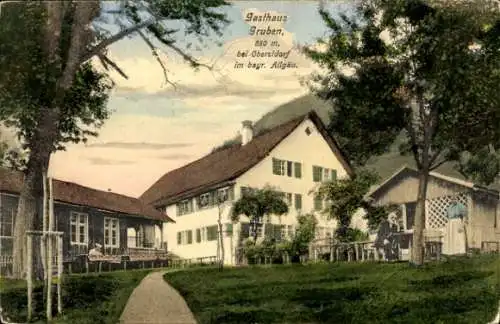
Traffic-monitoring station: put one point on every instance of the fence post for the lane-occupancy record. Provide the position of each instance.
(60, 272)
(29, 270)
(50, 261)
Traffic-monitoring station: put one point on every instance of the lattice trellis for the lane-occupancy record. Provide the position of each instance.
(437, 209)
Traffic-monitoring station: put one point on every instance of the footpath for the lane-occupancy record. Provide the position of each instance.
(154, 301)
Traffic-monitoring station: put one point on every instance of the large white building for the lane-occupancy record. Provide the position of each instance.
(293, 157)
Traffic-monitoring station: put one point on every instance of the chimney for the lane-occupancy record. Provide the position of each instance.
(246, 132)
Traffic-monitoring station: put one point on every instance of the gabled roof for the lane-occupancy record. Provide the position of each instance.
(75, 194)
(225, 165)
(405, 168)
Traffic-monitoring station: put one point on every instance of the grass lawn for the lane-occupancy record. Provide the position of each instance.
(457, 291)
(97, 299)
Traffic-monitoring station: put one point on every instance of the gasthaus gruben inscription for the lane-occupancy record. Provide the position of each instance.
(269, 48)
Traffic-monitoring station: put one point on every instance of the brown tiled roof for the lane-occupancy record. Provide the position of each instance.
(227, 164)
(72, 193)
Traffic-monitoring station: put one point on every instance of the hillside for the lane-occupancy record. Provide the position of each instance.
(384, 165)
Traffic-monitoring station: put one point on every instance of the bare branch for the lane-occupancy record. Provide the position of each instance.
(437, 165)
(118, 36)
(188, 58)
(106, 61)
(154, 51)
(434, 156)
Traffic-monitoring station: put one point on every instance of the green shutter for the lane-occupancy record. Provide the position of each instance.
(276, 166)
(318, 202)
(298, 201)
(179, 238)
(189, 237)
(298, 170)
(229, 229)
(317, 173)
(198, 235)
(333, 176)
(289, 168)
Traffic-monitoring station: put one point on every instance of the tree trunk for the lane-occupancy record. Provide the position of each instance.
(418, 228)
(28, 218)
(220, 243)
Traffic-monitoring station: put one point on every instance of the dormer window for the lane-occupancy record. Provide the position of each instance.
(204, 200)
(223, 194)
(185, 207)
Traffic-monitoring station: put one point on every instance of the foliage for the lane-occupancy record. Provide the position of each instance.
(459, 291)
(50, 90)
(30, 84)
(304, 234)
(355, 235)
(408, 68)
(345, 197)
(86, 299)
(427, 63)
(257, 204)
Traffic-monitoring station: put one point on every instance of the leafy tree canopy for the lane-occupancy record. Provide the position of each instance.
(32, 76)
(257, 203)
(424, 71)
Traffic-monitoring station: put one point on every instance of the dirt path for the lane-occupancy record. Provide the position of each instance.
(156, 302)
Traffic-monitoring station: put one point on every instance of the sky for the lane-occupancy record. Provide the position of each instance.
(155, 127)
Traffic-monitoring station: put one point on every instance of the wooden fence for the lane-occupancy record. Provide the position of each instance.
(83, 264)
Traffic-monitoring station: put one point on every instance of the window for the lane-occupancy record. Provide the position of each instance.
(225, 194)
(79, 228)
(308, 131)
(333, 175)
(282, 232)
(185, 207)
(7, 223)
(289, 168)
(111, 232)
(289, 199)
(326, 174)
(290, 231)
(317, 173)
(278, 167)
(298, 170)
(212, 233)
(185, 237)
(298, 201)
(204, 200)
(318, 202)
(410, 215)
(198, 235)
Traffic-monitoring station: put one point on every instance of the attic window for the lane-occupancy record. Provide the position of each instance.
(308, 131)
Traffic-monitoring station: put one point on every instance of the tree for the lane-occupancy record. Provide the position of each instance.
(304, 234)
(221, 252)
(257, 204)
(346, 196)
(51, 92)
(424, 72)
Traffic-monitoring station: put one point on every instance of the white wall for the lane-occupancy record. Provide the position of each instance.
(309, 150)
